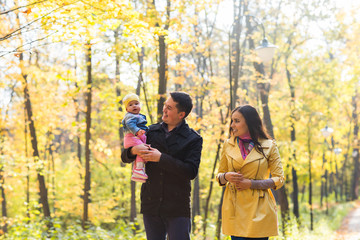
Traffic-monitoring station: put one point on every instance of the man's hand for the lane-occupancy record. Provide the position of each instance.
(135, 150)
(150, 154)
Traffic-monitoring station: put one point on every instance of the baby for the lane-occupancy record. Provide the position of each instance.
(135, 128)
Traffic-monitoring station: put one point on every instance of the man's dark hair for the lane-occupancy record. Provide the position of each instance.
(183, 102)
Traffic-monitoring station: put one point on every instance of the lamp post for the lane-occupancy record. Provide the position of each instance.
(326, 132)
(265, 52)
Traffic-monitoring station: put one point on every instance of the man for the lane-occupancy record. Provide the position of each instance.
(172, 153)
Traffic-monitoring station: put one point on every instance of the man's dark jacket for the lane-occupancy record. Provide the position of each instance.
(167, 190)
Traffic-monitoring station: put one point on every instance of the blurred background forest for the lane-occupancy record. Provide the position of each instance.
(65, 66)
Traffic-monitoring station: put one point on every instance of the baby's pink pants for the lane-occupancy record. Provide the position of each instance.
(131, 140)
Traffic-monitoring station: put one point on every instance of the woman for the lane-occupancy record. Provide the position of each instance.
(247, 160)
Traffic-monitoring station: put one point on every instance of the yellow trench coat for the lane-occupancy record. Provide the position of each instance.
(251, 212)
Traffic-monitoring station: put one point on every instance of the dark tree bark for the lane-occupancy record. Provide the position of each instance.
(344, 189)
(117, 34)
(77, 119)
(40, 176)
(27, 166)
(2, 183)
(217, 157)
(310, 175)
(355, 154)
(87, 183)
(163, 65)
(207, 203)
(324, 182)
(34, 143)
(295, 194)
(219, 219)
(141, 83)
(235, 51)
(178, 73)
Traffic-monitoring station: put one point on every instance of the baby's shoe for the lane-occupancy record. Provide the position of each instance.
(135, 179)
(139, 173)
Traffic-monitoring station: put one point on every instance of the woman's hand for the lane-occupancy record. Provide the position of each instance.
(238, 180)
(243, 184)
(233, 177)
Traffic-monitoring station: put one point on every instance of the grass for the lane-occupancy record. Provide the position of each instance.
(325, 227)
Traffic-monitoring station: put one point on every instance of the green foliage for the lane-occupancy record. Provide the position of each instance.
(36, 229)
(325, 225)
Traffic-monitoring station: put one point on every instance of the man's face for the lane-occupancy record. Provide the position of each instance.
(171, 115)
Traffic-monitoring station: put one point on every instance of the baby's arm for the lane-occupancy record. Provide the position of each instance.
(130, 121)
(140, 132)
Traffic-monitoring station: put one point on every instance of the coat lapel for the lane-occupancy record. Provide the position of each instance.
(255, 155)
(234, 151)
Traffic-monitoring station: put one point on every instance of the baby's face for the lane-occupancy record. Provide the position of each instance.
(133, 107)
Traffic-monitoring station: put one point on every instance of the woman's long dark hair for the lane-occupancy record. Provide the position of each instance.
(253, 121)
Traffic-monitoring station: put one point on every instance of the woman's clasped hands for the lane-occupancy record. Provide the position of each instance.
(238, 180)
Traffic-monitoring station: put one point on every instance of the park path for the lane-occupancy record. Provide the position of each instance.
(350, 227)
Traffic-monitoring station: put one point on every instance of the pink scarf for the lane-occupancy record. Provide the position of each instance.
(245, 139)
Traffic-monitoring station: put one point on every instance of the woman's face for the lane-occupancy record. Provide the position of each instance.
(238, 125)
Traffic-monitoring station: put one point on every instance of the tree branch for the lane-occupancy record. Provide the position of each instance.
(14, 9)
(26, 25)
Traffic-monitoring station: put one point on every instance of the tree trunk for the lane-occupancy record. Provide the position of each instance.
(162, 69)
(178, 73)
(293, 139)
(344, 189)
(355, 154)
(235, 51)
(163, 66)
(51, 155)
(141, 83)
(2, 184)
(27, 167)
(77, 119)
(34, 143)
(324, 182)
(87, 184)
(117, 34)
(207, 203)
(219, 219)
(196, 186)
(310, 175)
